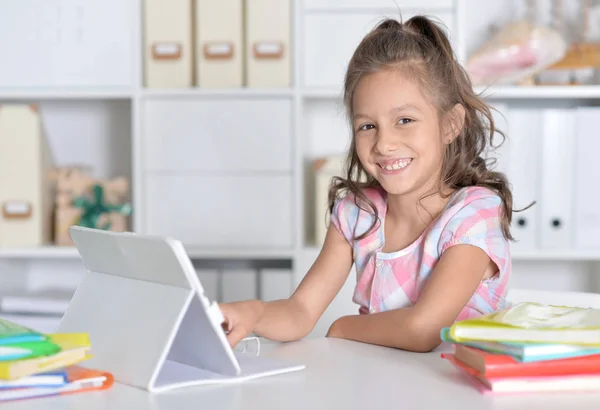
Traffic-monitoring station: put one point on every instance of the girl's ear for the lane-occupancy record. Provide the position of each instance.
(454, 123)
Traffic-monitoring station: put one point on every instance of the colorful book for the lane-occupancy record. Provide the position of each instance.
(497, 365)
(79, 379)
(525, 352)
(48, 379)
(12, 333)
(526, 384)
(26, 350)
(530, 322)
(74, 348)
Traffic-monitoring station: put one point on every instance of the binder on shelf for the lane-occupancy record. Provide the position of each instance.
(168, 43)
(268, 54)
(219, 45)
(587, 174)
(522, 159)
(557, 179)
(26, 192)
(239, 284)
(275, 284)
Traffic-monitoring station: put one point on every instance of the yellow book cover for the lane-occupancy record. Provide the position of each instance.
(75, 348)
(530, 322)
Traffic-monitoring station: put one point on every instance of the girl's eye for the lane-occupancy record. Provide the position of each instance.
(366, 127)
(405, 121)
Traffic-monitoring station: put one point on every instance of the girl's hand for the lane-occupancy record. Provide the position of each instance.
(240, 319)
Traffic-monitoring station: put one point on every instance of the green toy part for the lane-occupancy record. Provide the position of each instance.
(94, 208)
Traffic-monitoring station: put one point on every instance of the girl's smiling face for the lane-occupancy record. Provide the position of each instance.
(397, 133)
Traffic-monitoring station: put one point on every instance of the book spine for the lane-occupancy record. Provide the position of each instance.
(550, 368)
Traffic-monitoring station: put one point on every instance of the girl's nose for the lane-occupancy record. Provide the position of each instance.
(386, 142)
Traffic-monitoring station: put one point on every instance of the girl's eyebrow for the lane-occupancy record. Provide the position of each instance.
(405, 107)
(359, 115)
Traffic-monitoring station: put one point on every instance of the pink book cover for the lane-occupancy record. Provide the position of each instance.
(522, 385)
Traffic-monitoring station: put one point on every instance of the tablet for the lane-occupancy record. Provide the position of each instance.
(149, 320)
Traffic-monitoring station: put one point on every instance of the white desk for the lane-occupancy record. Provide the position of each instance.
(339, 375)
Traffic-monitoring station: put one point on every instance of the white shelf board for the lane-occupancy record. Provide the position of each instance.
(347, 9)
(387, 6)
(322, 93)
(493, 93)
(557, 256)
(218, 92)
(244, 253)
(41, 252)
(55, 93)
(67, 252)
(534, 256)
(541, 92)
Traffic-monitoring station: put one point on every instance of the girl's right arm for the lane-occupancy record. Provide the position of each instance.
(292, 319)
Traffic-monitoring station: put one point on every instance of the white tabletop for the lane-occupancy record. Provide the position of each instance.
(340, 375)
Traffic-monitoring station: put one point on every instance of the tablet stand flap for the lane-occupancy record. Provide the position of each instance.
(200, 342)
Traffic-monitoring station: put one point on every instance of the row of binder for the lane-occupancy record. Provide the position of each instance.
(217, 44)
(550, 158)
(230, 285)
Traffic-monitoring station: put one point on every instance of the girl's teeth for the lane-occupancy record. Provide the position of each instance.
(396, 165)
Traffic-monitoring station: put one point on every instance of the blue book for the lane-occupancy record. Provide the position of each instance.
(526, 352)
(55, 378)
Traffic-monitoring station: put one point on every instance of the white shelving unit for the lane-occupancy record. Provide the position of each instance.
(534, 256)
(316, 128)
(43, 252)
(217, 93)
(583, 92)
(591, 92)
(66, 94)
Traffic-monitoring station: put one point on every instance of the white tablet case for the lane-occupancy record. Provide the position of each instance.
(148, 319)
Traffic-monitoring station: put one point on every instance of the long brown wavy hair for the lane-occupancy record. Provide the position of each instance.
(421, 49)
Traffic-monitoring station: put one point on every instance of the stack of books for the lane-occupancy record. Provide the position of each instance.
(528, 347)
(33, 364)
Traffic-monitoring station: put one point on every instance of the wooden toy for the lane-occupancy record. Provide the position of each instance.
(84, 201)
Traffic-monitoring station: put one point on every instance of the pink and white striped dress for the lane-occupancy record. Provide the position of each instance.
(394, 280)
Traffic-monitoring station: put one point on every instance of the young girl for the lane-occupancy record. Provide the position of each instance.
(423, 219)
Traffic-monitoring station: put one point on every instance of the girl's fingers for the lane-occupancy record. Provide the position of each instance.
(226, 325)
(236, 335)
